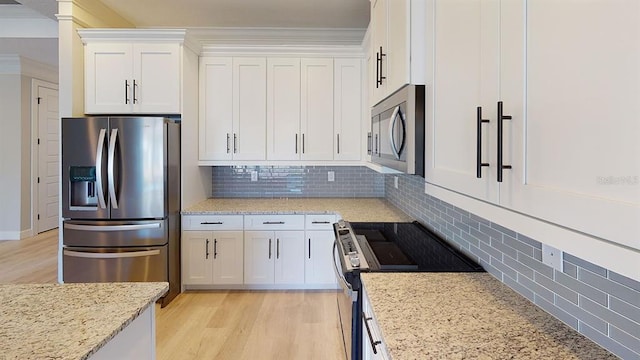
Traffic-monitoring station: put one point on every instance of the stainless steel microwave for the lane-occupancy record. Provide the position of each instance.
(397, 131)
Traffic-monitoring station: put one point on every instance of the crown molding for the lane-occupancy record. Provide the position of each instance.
(146, 35)
(277, 36)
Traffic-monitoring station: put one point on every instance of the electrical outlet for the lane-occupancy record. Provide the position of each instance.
(254, 176)
(395, 182)
(331, 176)
(552, 257)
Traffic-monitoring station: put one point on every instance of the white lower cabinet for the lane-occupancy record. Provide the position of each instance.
(274, 257)
(373, 347)
(212, 257)
(258, 251)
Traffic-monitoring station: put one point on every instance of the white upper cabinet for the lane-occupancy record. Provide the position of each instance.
(126, 77)
(566, 149)
(347, 108)
(216, 108)
(249, 108)
(267, 110)
(398, 48)
(317, 108)
(284, 140)
(232, 108)
(572, 91)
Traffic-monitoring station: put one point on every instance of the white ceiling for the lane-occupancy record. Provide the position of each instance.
(28, 27)
(244, 13)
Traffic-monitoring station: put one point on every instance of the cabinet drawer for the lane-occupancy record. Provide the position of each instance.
(212, 222)
(319, 222)
(274, 222)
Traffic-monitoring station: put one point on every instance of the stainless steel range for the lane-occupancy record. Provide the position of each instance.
(384, 247)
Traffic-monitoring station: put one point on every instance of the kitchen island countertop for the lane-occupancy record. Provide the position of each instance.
(68, 321)
(351, 209)
(467, 316)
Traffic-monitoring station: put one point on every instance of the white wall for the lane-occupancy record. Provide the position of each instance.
(16, 75)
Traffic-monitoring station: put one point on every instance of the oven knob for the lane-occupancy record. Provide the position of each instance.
(341, 224)
(354, 260)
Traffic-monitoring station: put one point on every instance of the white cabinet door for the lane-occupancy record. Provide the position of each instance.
(317, 108)
(216, 108)
(197, 257)
(318, 268)
(289, 263)
(398, 45)
(249, 108)
(379, 46)
(108, 78)
(128, 78)
(347, 116)
(283, 109)
(464, 75)
(573, 140)
(156, 78)
(228, 257)
(259, 257)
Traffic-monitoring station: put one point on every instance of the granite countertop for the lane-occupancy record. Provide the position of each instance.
(351, 209)
(467, 316)
(68, 321)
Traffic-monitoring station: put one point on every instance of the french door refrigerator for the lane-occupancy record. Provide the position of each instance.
(121, 200)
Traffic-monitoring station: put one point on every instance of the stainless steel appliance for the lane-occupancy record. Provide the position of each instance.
(398, 131)
(384, 247)
(121, 200)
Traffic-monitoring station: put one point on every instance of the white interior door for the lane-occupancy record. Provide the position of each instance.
(48, 159)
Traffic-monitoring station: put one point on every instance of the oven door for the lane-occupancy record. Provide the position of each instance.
(349, 305)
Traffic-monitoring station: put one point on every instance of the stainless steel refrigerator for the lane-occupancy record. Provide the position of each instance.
(121, 200)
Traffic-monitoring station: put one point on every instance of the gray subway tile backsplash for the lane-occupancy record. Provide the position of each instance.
(296, 181)
(601, 304)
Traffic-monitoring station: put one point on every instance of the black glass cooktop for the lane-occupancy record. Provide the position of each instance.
(409, 247)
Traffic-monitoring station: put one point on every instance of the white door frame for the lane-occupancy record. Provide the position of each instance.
(35, 201)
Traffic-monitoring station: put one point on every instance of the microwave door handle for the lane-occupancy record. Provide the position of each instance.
(110, 168)
(101, 201)
(392, 126)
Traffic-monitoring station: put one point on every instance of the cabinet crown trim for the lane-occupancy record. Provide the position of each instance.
(277, 36)
(132, 35)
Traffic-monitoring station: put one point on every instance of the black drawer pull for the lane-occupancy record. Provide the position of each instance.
(273, 222)
(320, 222)
(366, 324)
(211, 223)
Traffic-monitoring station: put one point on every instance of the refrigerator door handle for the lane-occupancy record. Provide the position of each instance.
(110, 168)
(101, 202)
(112, 227)
(92, 255)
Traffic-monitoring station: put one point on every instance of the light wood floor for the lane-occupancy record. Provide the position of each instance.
(210, 325)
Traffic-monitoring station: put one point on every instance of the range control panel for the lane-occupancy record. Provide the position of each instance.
(348, 247)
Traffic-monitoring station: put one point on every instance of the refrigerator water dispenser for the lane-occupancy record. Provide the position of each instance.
(82, 188)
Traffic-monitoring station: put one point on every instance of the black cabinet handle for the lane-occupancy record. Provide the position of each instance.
(206, 251)
(377, 69)
(126, 92)
(277, 248)
(303, 143)
(215, 248)
(273, 223)
(376, 149)
(135, 99)
(269, 248)
(381, 77)
(320, 222)
(211, 223)
(366, 324)
(309, 248)
(228, 149)
(501, 117)
(235, 143)
(369, 141)
(479, 163)
(296, 143)
(338, 135)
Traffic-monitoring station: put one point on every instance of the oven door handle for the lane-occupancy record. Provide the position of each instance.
(345, 285)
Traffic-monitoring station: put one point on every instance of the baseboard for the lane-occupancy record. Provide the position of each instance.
(10, 235)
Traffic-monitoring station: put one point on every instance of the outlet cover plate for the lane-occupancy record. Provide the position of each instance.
(331, 176)
(395, 182)
(254, 176)
(552, 257)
